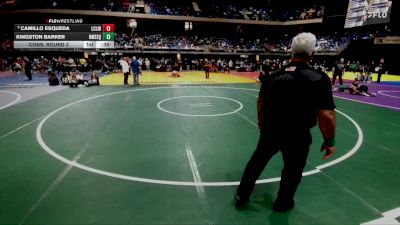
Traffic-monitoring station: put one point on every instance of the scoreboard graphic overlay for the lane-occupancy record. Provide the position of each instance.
(366, 12)
(64, 36)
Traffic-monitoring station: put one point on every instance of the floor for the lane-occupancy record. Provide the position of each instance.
(174, 154)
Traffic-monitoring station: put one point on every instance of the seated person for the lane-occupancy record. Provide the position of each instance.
(356, 89)
(75, 78)
(175, 71)
(94, 80)
(65, 79)
(359, 76)
(175, 74)
(53, 80)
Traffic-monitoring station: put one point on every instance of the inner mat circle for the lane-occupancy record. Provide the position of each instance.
(200, 106)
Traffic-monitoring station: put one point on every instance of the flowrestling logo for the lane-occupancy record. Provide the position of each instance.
(379, 15)
(64, 21)
(366, 12)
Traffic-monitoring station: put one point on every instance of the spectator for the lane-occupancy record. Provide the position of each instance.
(147, 63)
(135, 64)
(125, 69)
(94, 80)
(28, 68)
(53, 80)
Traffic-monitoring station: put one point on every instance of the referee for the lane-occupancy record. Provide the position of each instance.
(338, 71)
(290, 102)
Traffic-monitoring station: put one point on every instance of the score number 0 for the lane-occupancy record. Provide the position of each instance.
(108, 27)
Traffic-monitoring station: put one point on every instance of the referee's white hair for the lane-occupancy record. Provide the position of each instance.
(304, 43)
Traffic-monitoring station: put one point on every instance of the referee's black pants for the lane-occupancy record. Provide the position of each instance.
(334, 78)
(126, 75)
(294, 149)
(379, 77)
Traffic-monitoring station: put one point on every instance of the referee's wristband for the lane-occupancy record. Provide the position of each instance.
(329, 142)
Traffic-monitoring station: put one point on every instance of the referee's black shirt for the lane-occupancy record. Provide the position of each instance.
(339, 67)
(292, 97)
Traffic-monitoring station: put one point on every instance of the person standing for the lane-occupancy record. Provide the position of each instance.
(230, 64)
(338, 71)
(265, 71)
(207, 68)
(28, 68)
(147, 63)
(140, 60)
(370, 70)
(219, 64)
(135, 64)
(290, 102)
(125, 69)
(381, 69)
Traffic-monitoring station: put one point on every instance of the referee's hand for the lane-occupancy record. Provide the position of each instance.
(329, 151)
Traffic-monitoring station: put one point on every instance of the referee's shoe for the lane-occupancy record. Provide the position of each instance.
(281, 205)
(240, 202)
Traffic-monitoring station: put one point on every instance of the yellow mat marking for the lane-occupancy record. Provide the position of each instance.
(385, 77)
(186, 78)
